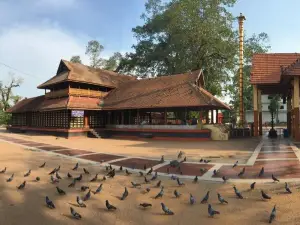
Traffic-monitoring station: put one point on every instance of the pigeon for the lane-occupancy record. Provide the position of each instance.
(3, 171)
(75, 214)
(58, 176)
(53, 171)
(87, 196)
(54, 180)
(86, 171)
(148, 190)
(158, 183)
(196, 179)
(135, 185)
(76, 166)
(110, 167)
(242, 172)
(264, 195)
(98, 190)
(109, 206)
(154, 176)
(287, 188)
(235, 164)
(237, 193)
(192, 199)
(127, 172)
(145, 205)
(27, 174)
(261, 172)
(205, 199)
(207, 161)
(60, 191)
(141, 173)
(95, 178)
(150, 171)
(43, 165)
(173, 177)
(201, 160)
(106, 168)
(160, 194)
(180, 155)
(78, 178)
(252, 186)
(57, 169)
(221, 199)
(146, 180)
(274, 178)
(111, 173)
(211, 211)
(22, 186)
(84, 188)
(273, 214)
(179, 182)
(177, 194)
(125, 194)
(72, 184)
(224, 179)
(104, 178)
(162, 160)
(184, 160)
(11, 178)
(69, 175)
(203, 170)
(49, 203)
(145, 167)
(121, 168)
(215, 172)
(80, 202)
(166, 210)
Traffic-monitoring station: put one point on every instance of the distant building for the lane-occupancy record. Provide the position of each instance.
(266, 115)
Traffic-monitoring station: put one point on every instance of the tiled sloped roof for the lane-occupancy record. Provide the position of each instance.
(267, 67)
(293, 69)
(83, 103)
(166, 91)
(85, 74)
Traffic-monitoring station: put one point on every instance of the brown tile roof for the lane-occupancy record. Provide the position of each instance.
(85, 74)
(267, 67)
(293, 69)
(42, 104)
(166, 91)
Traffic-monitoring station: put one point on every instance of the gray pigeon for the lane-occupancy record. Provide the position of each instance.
(22, 186)
(49, 203)
(87, 196)
(75, 214)
(205, 199)
(125, 194)
(3, 171)
(166, 210)
(235, 164)
(76, 166)
(242, 172)
(160, 194)
(261, 172)
(109, 206)
(80, 202)
(211, 211)
(221, 199)
(135, 185)
(158, 183)
(237, 193)
(287, 188)
(60, 191)
(192, 199)
(11, 178)
(27, 174)
(43, 165)
(273, 214)
(179, 182)
(98, 190)
(177, 194)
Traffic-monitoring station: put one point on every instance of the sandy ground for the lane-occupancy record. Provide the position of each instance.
(27, 207)
(219, 151)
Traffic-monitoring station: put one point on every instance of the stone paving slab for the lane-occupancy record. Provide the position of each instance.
(72, 152)
(275, 149)
(35, 144)
(53, 148)
(137, 163)
(100, 157)
(276, 155)
(186, 168)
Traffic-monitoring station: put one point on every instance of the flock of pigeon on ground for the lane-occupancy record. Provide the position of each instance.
(111, 172)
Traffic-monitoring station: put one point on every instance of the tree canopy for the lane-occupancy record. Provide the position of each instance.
(75, 59)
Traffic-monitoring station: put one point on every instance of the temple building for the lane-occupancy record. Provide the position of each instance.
(83, 101)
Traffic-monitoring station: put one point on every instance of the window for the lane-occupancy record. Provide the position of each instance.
(282, 107)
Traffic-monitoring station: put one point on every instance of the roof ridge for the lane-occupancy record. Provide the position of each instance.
(291, 66)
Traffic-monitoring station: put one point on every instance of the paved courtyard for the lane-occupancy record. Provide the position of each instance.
(279, 157)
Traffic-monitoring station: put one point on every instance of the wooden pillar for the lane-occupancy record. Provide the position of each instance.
(200, 117)
(259, 109)
(206, 117)
(165, 117)
(138, 116)
(129, 115)
(289, 115)
(296, 108)
(255, 112)
(86, 119)
(217, 116)
(185, 114)
(108, 117)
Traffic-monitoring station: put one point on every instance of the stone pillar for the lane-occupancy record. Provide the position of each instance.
(259, 109)
(289, 115)
(296, 108)
(255, 110)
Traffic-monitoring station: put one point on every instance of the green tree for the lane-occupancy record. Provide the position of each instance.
(75, 59)
(113, 61)
(183, 35)
(6, 92)
(93, 50)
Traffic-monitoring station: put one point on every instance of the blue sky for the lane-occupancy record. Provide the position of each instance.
(36, 34)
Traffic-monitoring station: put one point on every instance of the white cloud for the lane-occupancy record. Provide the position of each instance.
(37, 51)
(55, 3)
